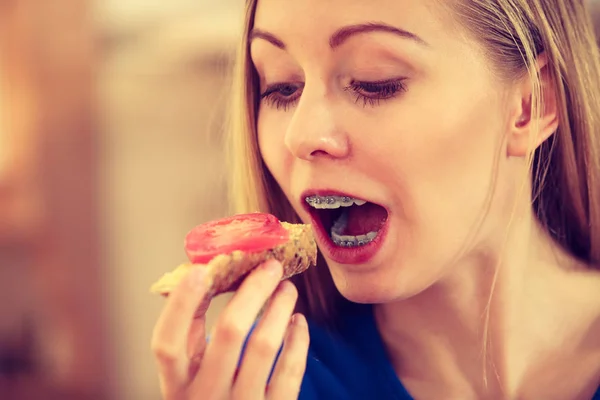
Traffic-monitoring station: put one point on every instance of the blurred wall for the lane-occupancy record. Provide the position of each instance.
(52, 325)
(162, 87)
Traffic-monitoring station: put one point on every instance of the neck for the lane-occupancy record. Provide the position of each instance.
(499, 322)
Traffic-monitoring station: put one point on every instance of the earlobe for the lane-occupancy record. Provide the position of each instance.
(528, 130)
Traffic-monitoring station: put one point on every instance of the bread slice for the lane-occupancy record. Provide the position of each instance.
(227, 271)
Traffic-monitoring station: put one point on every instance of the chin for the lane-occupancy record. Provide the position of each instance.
(377, 286)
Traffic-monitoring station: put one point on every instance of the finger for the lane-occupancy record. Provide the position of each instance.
(169, 340)
(223, 350)
(265, 342)
(195, 345)
(196, 342)
(289, 371)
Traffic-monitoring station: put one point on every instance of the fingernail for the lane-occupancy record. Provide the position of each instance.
(286, 287)
(198, 277)
(299, 320)
(272, 267)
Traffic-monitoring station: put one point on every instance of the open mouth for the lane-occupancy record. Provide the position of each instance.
(348, 221)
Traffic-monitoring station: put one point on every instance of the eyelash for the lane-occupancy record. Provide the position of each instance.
(369, 93)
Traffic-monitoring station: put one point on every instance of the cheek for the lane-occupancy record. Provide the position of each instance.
(456, 164)
(439, 153)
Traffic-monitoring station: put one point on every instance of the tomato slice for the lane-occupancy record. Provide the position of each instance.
(246, 232)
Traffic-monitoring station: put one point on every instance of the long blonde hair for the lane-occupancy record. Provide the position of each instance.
(565, 168)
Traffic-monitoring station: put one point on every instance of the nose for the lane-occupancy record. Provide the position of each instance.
(315, 130)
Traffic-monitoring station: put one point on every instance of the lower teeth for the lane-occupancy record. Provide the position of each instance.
(342, 240)
(352, 241)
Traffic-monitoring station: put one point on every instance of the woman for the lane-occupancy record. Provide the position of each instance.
(471, 130)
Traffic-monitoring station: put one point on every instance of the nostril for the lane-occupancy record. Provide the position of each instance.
(318, 153)
(309, 141)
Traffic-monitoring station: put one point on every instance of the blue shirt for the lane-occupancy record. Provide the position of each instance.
(351, 364)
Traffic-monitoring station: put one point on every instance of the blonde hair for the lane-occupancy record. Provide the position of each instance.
(513, 34)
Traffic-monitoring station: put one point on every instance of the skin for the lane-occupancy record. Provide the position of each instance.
(446, 155)
(191, 368)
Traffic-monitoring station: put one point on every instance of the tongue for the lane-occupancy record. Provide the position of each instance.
(364, 219)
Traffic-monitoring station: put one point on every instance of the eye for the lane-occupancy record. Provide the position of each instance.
(372, 93)
(282, 95)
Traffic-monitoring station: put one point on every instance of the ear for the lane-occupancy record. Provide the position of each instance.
(528, 131)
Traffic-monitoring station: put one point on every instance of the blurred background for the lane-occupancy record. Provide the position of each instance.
(110, 151)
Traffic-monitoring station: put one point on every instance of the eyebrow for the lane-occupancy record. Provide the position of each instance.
(343, 34)
(260, 34)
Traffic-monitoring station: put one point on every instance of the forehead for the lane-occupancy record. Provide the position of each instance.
(309, 21)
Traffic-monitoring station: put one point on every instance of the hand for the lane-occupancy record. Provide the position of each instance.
(190, 368)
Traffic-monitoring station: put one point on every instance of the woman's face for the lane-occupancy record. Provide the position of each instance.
(383, 101)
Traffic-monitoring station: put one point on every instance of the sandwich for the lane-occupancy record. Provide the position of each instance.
(230, 248)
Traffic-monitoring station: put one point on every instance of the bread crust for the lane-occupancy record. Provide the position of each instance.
(227, 271)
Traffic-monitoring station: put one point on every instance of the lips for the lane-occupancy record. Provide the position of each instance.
(349, 229)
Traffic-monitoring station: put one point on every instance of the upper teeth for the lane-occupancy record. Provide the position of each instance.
(332, 202)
